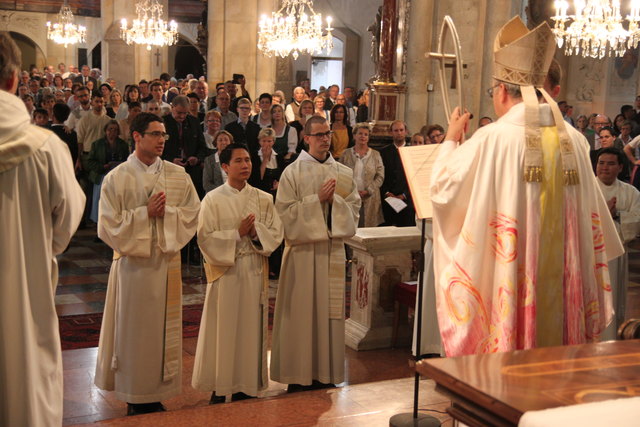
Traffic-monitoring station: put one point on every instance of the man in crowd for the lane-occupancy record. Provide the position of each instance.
(60, 115)
(202, 90)
(332, 94)
(395, 184)
(157, 96)
(237, 231)
(148, 212)
(84, 77)
(84, 99)
(223, 101)
(318, 204)
(41, 205)
(623, 201)
(516, 215)
(244, 130)
(145, 93)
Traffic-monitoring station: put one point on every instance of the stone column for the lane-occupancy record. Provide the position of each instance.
(387, 41)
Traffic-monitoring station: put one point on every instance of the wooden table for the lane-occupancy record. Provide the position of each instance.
(497, 389)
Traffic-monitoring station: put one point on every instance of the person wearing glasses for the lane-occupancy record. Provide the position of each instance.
(435, 134)
(148, 212)
(522, 234)
(318, 204)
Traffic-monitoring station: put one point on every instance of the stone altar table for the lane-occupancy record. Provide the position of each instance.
(382, 257)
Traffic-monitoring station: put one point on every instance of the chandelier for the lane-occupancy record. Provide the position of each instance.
(291, 30)
(64, 31)
(596, 30)
(149, 28)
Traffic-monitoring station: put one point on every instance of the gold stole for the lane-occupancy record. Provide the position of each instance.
(344, 183)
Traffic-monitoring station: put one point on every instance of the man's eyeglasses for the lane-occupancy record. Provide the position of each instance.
(491, 89)
(158, 134)
(322, 134)
(436, 135)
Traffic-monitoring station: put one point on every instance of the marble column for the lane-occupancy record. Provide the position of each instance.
(387, 41)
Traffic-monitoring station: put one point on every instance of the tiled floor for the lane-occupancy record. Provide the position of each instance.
(379, 382)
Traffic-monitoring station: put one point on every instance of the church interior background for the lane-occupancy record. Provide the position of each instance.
(228, 45)
(219, 38)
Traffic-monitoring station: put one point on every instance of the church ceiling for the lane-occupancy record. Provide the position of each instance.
(179, 10)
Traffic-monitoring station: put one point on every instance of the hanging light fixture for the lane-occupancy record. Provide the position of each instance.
(291, 30)
(596, 30)
(64, 31)
(149, 28)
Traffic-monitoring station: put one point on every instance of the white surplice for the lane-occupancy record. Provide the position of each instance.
(628, 226)
(231, 355)
(130, 353)
(308, 340)
(41, 206)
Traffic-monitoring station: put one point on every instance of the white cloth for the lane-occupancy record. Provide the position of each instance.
(292, 138)
(165, 109)
(307, 343)
(90, 128)
(123, 111)
(130, 353)
(75, 116)
(616, 412)
(41, 206)
(272, 163)
(430, 341)
(486, 236)
(231, 355)
(628, 226)
(358, 170)
(216, 157)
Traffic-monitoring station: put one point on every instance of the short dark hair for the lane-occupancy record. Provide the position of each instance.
(40, 111)
(193, 95)
(143, 82)
(267, 96)
(614, 151)
(313, 120)
(625, 108)
(141, 123)
(165, 77)
(609, 129)
(227, 153)
(332, 114)
(154, 84)
(134, 104)
(61, 112)
(96, 95)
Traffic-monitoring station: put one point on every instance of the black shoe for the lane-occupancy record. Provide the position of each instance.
(317, 385)
(241, 396)
(144, 408)
(294, 388)
(216, 399)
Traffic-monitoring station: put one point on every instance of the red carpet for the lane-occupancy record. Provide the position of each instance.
(83, 330)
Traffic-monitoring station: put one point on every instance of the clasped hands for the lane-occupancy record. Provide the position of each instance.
(156, 204)
(248, 227)
(326, 191)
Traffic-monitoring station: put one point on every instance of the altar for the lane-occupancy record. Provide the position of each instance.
(382, 257)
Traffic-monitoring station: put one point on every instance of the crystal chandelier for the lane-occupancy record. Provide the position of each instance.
(64, 31)
(596, 30)
(292, 30)
(149, 28)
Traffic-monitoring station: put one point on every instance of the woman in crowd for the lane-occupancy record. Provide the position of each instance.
(306, 111)
(318, 104)
(436, 134)
(271, 164)
(417, 139)
(617, 123)
(68, 83)
(194, 107)
(105, 89)
(286, 137)
(263, 118)
(91, 87)
(114, 110)
(58, 82)
(362, 115)
(213, 176)
(341, 136)
(582, 124)
(368, 172)
(106, 153)
(212, 125)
